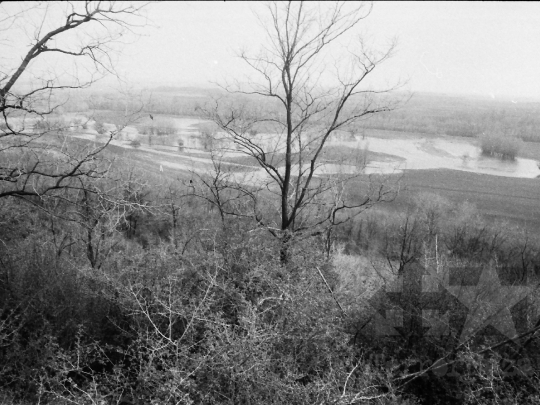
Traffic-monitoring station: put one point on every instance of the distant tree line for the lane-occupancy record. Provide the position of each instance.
(454, 117)
(465, 119)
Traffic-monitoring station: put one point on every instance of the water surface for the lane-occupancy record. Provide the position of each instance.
(438, 153)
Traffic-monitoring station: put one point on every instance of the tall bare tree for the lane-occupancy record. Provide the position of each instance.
(34, 159)
(308, 96)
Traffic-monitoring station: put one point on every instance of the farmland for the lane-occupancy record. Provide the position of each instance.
(497, 197)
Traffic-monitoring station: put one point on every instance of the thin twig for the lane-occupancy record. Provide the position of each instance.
(331, 292)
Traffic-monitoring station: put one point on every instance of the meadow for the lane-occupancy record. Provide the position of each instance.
(496, 197)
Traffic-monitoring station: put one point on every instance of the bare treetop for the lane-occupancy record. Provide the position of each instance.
(293, 70)
(86, 30)
(83, 35)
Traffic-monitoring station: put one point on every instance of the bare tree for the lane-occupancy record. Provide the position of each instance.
(303, 106)
(34, 159)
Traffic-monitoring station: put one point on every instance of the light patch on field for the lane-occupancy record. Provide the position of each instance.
(437, 153)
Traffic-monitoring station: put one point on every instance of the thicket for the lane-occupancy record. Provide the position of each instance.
(150, 296)
(498, 144)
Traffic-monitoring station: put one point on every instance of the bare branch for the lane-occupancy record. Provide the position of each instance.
(294, 88)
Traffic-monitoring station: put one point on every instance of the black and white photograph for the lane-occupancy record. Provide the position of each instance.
(286, 203)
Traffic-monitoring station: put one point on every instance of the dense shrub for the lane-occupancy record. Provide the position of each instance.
(500, 145)
(99, 127)
(135, 143)
(187, 307)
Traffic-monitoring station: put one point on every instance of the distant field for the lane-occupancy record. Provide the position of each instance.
(513, 199)
(530, 150)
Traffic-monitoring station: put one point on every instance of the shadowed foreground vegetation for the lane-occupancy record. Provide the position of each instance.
(154, 298)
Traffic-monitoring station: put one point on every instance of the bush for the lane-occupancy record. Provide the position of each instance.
(50, 124)
(500, 145)
(99, 127)
(207, 133)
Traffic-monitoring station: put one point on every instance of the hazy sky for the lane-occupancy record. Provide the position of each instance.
(484, 48)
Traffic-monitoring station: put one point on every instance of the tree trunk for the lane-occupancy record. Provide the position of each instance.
(284, 254)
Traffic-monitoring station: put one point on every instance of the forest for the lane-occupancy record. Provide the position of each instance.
(228, 262)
